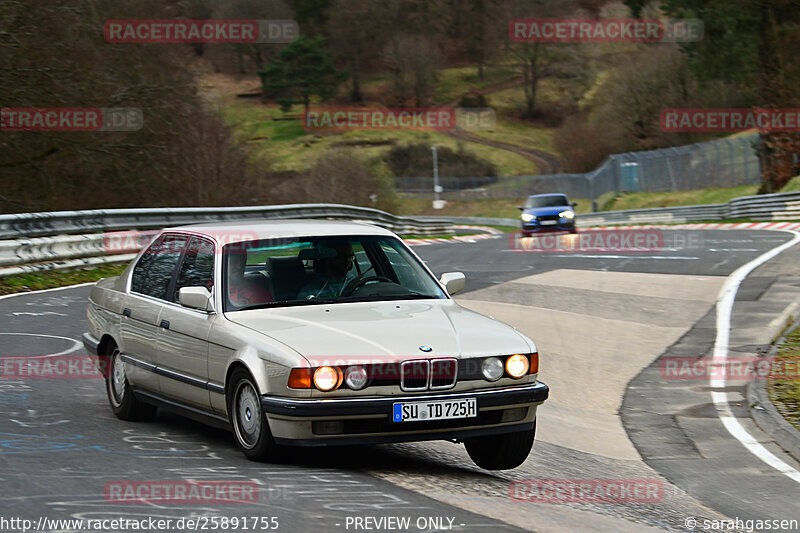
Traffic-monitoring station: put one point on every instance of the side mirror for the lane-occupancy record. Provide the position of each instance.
(574, 204)
(453, 282)
(521, 208)
(196, 298)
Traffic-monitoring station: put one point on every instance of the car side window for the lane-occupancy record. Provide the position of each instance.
(153, 273)
(197, 269)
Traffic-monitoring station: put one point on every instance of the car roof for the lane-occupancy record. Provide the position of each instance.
(547, 194)
(247, 230)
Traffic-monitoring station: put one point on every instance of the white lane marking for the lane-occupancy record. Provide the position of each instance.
(27, 313)
(4, 296)
(727, 295)
(76, 345)
(608, 256)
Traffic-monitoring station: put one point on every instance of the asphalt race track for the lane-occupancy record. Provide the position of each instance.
(600, 321)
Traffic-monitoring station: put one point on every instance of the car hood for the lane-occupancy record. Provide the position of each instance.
(547, 211)
(384, 330)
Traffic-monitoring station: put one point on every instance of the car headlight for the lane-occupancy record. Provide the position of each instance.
(327, 378)
(355, 377)
(527, 217)
(492, 368)
(567, 214)
(517, 366)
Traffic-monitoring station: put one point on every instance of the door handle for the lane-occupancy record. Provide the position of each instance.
(126, 312)
(165, 324)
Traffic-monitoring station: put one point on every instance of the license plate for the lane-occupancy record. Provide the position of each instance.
(549, 222)
(437, 410)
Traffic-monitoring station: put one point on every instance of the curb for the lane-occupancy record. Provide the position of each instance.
(710, 225)
(766, 415)
(489, 233)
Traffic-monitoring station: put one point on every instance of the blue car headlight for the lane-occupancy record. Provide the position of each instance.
(567, 214)
(527, 217)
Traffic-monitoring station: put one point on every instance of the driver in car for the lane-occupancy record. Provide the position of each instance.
(332, 270)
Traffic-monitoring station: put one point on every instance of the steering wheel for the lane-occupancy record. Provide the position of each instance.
(355, 284)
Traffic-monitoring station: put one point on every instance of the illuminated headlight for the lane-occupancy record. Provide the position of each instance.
(566, 214)
(527, 217)
(327, 378)
(517, 366)
(492, 368)
(355, 377)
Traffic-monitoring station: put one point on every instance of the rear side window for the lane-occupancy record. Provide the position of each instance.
(197, 269)
(153, 273)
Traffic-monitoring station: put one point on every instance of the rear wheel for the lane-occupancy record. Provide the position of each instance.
(501, 452)
(120, 395)
(250, 428)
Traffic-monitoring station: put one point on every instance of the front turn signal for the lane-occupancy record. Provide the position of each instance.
(300, 378)
(534, 368)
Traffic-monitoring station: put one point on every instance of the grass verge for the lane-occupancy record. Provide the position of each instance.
(644, 200)
(792, 186)
(56, 278)
(785, 394)
(286, 146)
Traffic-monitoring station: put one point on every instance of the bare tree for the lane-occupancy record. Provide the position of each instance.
(358, 30)
(538, 60)
(628, 103)
(413, 61)
(258, 53)
(178, 146)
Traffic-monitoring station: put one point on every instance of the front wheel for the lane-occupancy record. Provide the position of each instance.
(501, 452)
(120, 395)
(250, 428)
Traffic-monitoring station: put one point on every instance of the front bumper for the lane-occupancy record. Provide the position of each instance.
(367, 420)
(91, 344)
(535, 227)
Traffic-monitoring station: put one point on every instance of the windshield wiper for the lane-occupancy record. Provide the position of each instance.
(387, 297)
(290, 303)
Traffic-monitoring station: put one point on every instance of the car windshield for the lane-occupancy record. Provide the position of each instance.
(314, 270)
(556, 200)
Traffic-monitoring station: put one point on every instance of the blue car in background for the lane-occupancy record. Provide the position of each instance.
(548, 212)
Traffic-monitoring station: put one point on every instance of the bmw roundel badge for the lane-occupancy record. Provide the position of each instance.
(425, 348)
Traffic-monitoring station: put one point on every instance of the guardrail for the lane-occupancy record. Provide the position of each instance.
(69, 239)
(76, 222)
(779, 206)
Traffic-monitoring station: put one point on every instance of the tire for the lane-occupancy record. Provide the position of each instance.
(501, 452)
(573, 231)
(120, 395)
(250, 427)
